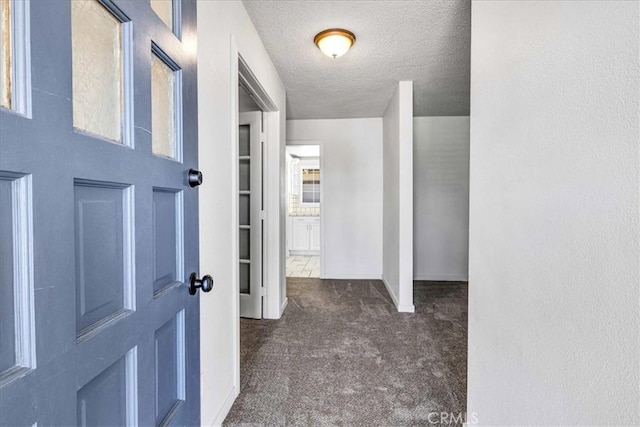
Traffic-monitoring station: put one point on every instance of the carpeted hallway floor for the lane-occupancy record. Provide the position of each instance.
(342, 355)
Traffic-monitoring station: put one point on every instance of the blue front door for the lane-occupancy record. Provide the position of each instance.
(98, 223)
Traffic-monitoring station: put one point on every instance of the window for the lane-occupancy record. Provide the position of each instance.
(166, 106)
(164, 10)
(169, 11)
(98, 59)
(310, 185)
(15, 65)
(5, 54)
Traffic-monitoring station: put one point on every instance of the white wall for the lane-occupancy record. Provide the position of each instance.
(397, 155)
(440, 198)
(554, 291)
(223, 25)
(351, 180)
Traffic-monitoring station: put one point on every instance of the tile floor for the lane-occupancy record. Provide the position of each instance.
(303, 266)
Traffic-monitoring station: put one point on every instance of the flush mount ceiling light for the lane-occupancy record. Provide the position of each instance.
(334, 42)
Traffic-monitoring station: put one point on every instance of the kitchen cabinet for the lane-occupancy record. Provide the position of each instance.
(305, 235)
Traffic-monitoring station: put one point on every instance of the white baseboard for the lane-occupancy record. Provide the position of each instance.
(352, 276)
(283, 306)
(304, 253)
(442, 278)
(406, 308)
(226, 407)
(402, 308)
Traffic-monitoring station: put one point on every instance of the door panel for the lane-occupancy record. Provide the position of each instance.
(250, 220)
(97, 234)
(314, 235)
(300, 230)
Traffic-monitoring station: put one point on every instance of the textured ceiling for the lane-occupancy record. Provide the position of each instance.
(427, 41)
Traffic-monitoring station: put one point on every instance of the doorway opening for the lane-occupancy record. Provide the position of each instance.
(304, 207)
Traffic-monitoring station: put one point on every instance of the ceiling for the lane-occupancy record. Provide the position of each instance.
(426, 41)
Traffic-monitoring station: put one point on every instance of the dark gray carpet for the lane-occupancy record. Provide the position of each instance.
(342, 355)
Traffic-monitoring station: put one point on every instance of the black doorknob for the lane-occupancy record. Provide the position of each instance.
(206, 283)
(195, 178)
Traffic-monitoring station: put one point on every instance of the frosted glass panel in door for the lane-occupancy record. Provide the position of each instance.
(5, 53)
(97, 69)
(164, 9)
(163, 132)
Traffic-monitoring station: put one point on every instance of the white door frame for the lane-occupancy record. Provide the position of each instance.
(322, 201)
(241, 73)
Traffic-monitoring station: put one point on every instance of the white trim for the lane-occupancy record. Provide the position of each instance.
(235, 224)
(273, 256)
(226, 407)
(351, 276)
(283, 306)
(405, 197)
(252, 85)
(407, 308)
(404, 308)
(304, 253)
(442, 278)
(323, 266)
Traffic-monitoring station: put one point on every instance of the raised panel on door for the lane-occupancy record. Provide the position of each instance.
(98, 227)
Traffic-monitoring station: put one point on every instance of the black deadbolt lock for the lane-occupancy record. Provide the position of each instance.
(195, 178)
(206, 283)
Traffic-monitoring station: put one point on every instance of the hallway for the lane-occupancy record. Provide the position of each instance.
(342, 355)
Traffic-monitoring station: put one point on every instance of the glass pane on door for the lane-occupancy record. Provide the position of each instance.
(163, 123)
(97, 70)
(164, 9)
(5, 54)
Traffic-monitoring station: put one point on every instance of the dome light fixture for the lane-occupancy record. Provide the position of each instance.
(334, 42)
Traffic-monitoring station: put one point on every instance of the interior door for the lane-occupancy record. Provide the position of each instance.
(98, 225)
(250, 213)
